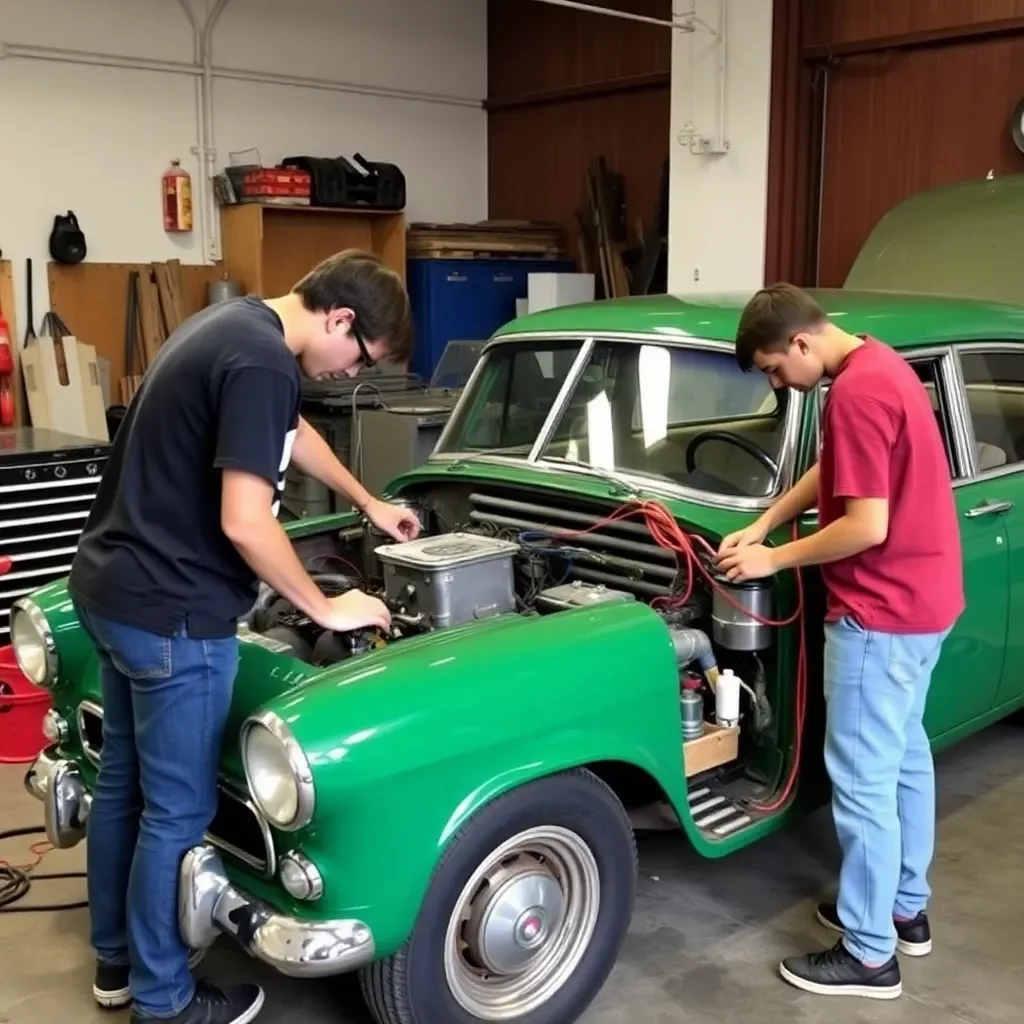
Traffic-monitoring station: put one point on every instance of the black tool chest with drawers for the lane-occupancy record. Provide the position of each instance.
(48, 482)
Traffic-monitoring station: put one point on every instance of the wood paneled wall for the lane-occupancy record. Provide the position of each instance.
(897, 125)
(908, 96)
(845, 23)
(566, 86)
(794, 145)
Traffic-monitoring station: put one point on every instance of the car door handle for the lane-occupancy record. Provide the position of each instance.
(989, 508)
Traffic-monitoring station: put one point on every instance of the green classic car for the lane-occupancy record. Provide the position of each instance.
(449, 809)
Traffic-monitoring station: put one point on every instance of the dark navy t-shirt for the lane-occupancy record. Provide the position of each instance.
(223, 393)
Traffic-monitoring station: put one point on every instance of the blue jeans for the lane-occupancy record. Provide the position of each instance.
(165, 702)
(883, 782)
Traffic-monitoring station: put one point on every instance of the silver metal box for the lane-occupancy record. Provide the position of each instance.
(448, 580)
(579, 594)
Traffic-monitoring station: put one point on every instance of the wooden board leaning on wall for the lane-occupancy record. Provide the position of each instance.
(91, 298)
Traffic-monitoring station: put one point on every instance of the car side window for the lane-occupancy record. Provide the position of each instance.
(994, 389)
(929, 372)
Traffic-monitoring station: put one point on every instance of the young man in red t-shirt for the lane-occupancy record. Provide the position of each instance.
(889, 551)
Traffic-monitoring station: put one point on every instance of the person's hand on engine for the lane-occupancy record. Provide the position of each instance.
(749, 562)
(355, 610)
(395, 521)
(750, 535)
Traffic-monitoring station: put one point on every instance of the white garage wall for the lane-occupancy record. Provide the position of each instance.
(96, 139)
(717, 207)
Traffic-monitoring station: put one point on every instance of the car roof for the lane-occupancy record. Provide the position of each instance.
(900, 319)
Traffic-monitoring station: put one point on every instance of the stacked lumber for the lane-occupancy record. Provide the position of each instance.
(156, 305)
(622, 265)
(486, 238)
(603, 238)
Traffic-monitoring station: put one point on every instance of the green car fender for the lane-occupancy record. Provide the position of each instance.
(405, 746)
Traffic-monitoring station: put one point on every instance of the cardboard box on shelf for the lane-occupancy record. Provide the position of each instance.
(70, 401)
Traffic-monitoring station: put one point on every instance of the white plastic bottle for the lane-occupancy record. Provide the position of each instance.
(727, 699)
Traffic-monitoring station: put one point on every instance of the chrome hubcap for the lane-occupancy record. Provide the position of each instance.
(522, 924)
(513, 920)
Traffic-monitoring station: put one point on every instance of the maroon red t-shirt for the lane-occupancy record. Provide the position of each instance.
(881, 439)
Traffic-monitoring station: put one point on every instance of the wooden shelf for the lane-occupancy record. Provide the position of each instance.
(267, 249)
(334, 211)
(717, 746)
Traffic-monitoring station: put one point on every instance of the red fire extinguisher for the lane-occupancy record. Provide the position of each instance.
(6, 376)
(177, 189)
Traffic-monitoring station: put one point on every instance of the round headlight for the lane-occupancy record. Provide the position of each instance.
(277, 771)
(300, 876)
(32, 640)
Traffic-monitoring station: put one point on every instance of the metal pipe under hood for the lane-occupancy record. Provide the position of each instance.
(694, 645)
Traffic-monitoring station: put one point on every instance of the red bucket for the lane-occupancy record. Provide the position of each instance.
(23, 707)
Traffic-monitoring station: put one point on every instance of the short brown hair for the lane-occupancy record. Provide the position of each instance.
(771, 318)
(375, 293)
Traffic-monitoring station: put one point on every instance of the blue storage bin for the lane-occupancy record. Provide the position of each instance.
(466, 300)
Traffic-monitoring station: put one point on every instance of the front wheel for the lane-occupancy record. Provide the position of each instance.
(524, 917)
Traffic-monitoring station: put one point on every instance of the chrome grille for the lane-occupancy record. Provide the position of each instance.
(623, 554)
(238, 829)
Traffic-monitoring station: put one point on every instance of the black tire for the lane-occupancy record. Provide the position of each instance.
(411, 987)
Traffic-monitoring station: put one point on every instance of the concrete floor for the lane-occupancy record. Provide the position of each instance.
(706, 936)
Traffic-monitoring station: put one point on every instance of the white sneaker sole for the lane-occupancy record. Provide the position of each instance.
(864, 991)
(112, 1000)
(253, 1010)
(906, 948)
(122, 997)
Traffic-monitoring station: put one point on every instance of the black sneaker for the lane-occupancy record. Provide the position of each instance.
(111, 988)
(236, 1004)
(913, 938)
(836, 972)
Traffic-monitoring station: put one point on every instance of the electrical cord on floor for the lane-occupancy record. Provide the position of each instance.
(15, 882)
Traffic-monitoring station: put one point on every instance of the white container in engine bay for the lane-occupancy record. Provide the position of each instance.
(727, 699)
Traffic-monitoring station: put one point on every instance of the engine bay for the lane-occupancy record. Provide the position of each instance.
(482, 555)
(432, 583)
(501, 549)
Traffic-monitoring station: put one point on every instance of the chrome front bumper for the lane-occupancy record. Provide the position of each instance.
(209, 903)
(65, 796)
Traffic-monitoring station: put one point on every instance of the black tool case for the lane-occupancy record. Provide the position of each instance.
(335, 182)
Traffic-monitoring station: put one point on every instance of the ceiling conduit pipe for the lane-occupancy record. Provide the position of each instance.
(199, 147)
(116, 60)
(612, 13)
(209, 146)
(698, 143)
(721, 144)
(100, 60)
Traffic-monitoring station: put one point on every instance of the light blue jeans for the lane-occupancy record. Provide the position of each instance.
(883, 781)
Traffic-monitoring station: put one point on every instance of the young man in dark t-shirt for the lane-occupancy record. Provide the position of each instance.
(182, 528)
(889, 551)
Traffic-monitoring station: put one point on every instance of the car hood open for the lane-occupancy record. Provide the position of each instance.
(964, 240)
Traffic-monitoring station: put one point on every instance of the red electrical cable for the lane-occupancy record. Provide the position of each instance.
(667, 533)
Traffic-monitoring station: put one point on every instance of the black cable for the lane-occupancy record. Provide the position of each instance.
(15, 883)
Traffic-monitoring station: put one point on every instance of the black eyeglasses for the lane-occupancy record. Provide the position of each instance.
(364, 354)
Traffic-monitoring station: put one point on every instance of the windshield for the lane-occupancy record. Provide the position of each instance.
(507, 404)
(681, 413)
